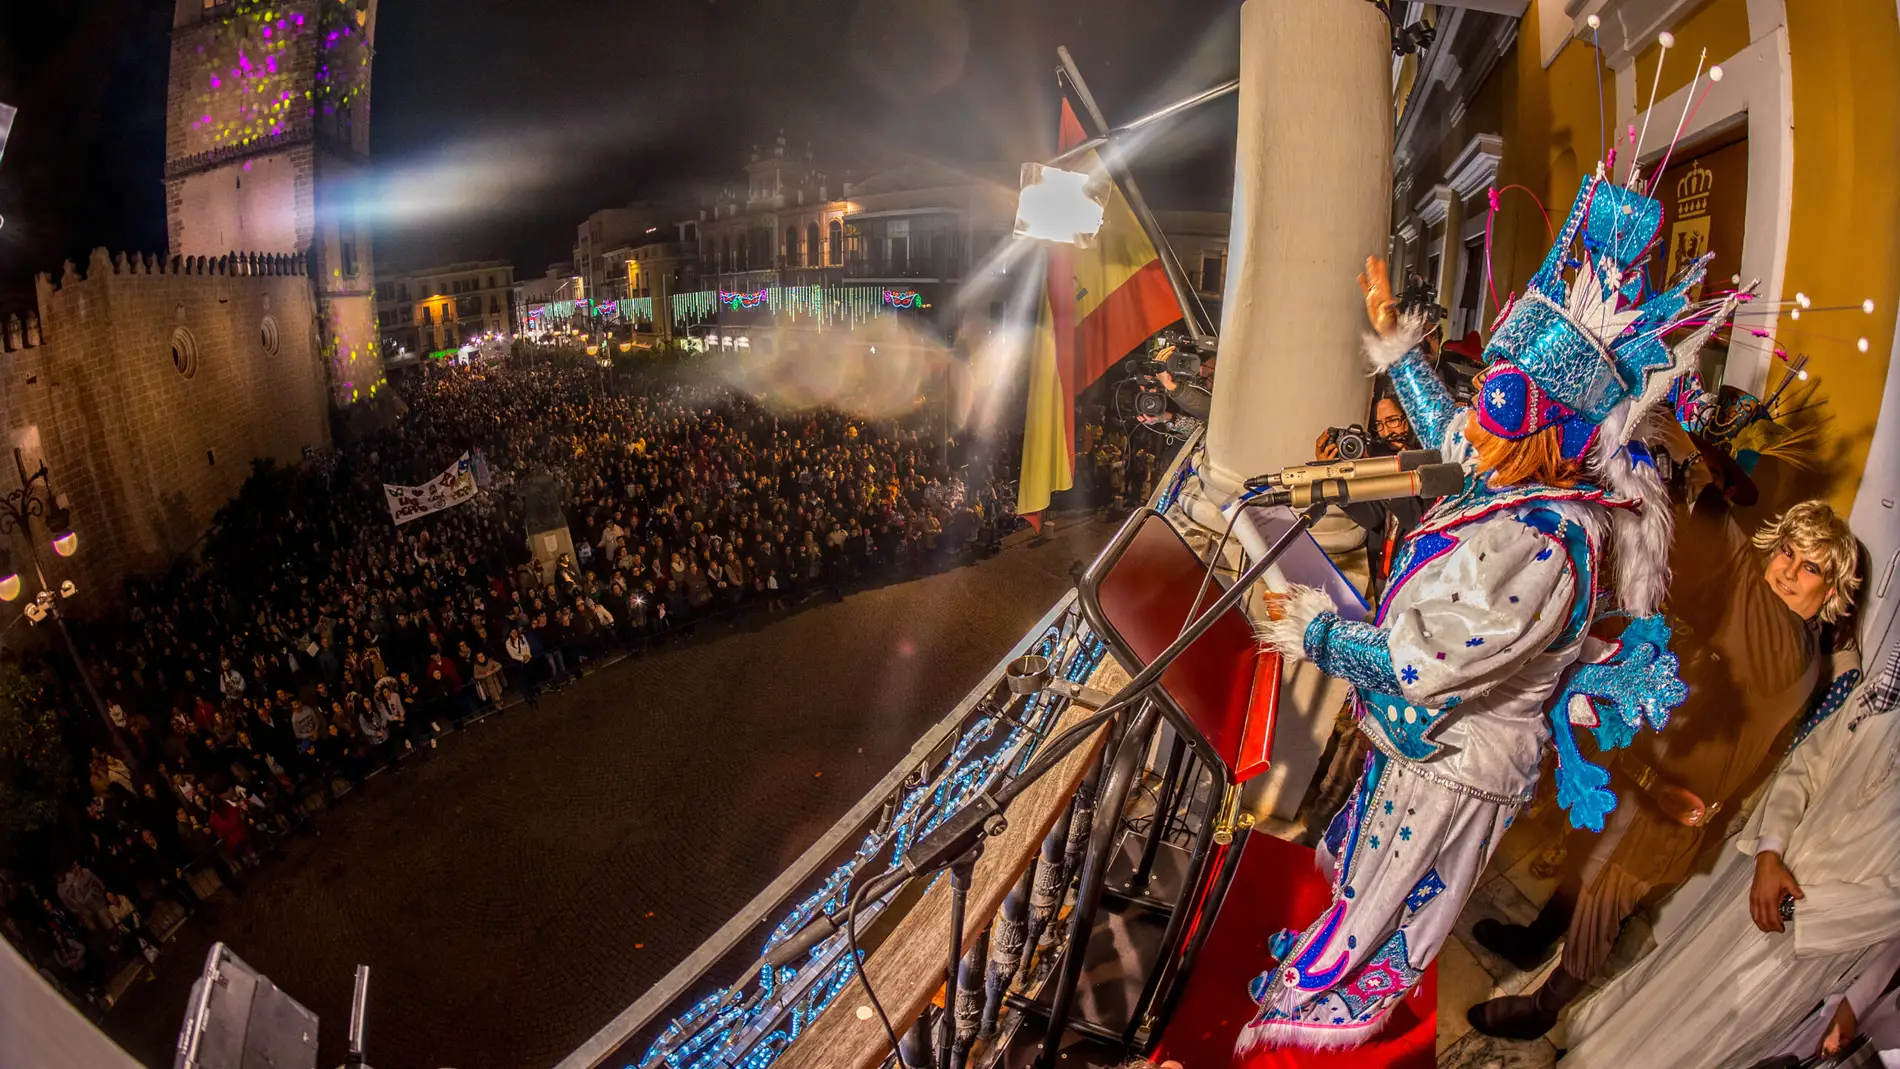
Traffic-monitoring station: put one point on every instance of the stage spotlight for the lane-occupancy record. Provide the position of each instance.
(1059, 205)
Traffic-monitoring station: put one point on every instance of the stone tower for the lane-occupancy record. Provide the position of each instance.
(267, 141)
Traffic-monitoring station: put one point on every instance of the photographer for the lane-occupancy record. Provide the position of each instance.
(1175, 375)
(1386, 522)
(1195, 396)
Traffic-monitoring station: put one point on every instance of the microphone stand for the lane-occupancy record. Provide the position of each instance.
(962, 871)
(957, 842)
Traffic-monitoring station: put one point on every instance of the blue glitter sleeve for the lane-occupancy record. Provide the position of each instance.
(1354, 652)
(1427, 403)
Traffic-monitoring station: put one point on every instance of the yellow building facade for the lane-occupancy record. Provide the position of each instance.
(1788, 167)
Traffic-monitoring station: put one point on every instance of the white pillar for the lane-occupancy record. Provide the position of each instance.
(1312, 189)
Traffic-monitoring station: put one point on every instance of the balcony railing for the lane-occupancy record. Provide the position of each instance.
(1021, 885)
(947, 267)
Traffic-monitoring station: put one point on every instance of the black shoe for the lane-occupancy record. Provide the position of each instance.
(1511, 1017)
(1515, 943)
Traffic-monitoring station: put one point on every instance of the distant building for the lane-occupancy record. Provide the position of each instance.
(800, 246)
(1199, 240)
(436, 308)
(604, 242)
(267, 127)
(148, 384)
(537, 299)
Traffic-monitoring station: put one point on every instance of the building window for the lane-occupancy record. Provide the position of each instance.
(1471, 293)
(725, 254)
(267, 334)
(1211, 272)
(494, 307)
(834, 244)
(349, 259)
(491, 282)
(791, 246)
(814, 248)
(184, 352)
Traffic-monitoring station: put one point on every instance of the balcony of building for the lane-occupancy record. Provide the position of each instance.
(909, 245)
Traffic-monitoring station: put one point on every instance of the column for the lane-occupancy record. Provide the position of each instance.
(1312, 189)
(1312, 193)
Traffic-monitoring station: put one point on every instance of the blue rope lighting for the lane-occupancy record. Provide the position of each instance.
(724, 1030)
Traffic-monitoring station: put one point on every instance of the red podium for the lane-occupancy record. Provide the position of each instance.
(1220, 697)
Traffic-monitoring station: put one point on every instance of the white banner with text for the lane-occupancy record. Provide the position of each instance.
(455, 485)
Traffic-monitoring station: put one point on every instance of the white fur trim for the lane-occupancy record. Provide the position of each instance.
(1386, 350)
(1682, 357)
(1264, 1035)
(1640, 538)
(1288, 634)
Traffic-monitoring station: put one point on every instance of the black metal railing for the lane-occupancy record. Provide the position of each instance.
(945, 267)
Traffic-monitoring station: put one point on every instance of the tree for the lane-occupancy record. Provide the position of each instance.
(35, 769)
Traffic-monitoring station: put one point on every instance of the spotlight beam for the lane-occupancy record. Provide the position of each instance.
(1179, 106)
(1193, 315)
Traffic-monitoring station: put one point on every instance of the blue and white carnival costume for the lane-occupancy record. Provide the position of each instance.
(1480, 652)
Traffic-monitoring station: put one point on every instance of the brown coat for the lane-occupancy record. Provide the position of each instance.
(1750, 664)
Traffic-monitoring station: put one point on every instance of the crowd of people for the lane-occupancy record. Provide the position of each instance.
(315, 642)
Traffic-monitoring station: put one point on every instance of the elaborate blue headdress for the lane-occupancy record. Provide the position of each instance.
(1588, 353)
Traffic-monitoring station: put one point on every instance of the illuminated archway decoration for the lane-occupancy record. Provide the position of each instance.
(735, 301)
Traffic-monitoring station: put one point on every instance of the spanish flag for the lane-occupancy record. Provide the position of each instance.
(1099, 304)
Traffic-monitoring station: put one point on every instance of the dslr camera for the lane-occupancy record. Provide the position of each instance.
(1352, 442)
(1173, 354)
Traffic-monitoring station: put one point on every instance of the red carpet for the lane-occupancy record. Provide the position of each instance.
(1278, 887)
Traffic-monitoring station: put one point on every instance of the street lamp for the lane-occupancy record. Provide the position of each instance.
(17, 510)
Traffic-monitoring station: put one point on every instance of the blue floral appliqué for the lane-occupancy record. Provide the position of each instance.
(1429, 886)
(1632, 684)
(1410, 674)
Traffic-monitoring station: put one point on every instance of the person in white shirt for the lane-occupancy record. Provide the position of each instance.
(1732, 982)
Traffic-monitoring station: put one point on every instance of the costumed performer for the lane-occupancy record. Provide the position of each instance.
(1480, 652)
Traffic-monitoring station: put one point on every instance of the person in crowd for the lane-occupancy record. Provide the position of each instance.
(302, 647)
(1753, 620)
(1803, 912)
(85, 895)
(488, 680)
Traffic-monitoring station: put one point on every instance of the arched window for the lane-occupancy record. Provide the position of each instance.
(791, 246)
(814, 248)
(835, 244)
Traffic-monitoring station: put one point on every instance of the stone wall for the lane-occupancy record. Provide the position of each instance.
(152, 386)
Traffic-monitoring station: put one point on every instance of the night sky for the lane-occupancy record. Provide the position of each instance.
(499, 124)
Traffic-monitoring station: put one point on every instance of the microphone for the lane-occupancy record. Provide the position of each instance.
(1301, 474)
(1429, 480)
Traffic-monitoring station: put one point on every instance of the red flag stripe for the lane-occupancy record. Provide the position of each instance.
(1130, 316)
